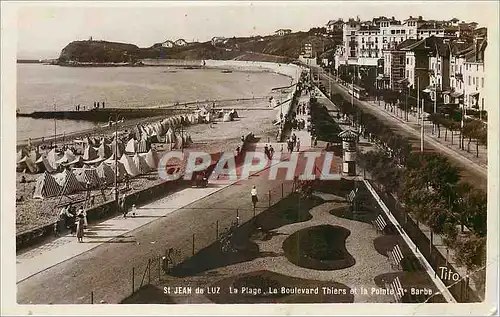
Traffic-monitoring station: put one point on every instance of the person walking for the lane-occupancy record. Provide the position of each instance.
(123, 207)
(298, 145)
(79, 227)
(255, 199)
(271, 152)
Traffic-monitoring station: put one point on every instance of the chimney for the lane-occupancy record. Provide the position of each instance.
(420, 18)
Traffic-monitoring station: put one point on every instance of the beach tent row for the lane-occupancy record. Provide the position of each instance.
(77, 179)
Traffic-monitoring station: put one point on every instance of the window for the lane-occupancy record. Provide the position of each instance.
(473, 80)
(482, 82)
(362, 40)
(477, 67)
(469, 80)
(408, 60)
(393, 31)
(407, 74)
(402, 60)
(477, 82)
(402, 39)
(401, 73)
(376, 40)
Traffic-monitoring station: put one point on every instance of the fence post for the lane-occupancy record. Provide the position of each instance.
(193, 243)
(133, 278)
(92, 297)
(159, 268)
(430, 243)
(217, 230)
(149, 271)
(269, 194)
(237, 214)
(282, 194)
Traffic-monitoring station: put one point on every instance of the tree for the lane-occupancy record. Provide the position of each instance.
(471, 252)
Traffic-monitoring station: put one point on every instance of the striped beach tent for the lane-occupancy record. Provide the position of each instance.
(105, 140)
(227, 117)
(234, 114)
(68, 156)
(129, 165)
(131, 146)
(43, 165)
(77, 162)
(67, 180)
(106, 174)
(52, 158)
(89, 153)
(118, 147)
(141, 164)
(21, 153)
(143, 145)
(26, 164)
(46, 186)
(170, 136)
(151, 158)
(88, 141)
(87, 175)
(120, 170)
(104, 150)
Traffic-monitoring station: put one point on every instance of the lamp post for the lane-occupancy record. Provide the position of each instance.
(55, 126)
(116, 162)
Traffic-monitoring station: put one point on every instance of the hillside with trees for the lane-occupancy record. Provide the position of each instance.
(288, 47)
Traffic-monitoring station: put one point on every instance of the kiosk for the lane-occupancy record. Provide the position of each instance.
(349, 140)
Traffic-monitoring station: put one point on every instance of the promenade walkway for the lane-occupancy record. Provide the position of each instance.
(45, 256)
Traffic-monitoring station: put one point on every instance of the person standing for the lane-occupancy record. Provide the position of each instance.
(298, 145)
(255, 199)
(123, 207)
(271, 152)
(79, 227)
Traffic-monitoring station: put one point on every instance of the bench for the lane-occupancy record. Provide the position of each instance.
(395, 257)
(379, 223)
(397, 289)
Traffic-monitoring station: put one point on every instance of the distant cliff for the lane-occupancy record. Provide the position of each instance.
(268, 48)
(99, 52)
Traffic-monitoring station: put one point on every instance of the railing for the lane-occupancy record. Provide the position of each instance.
(169, 261)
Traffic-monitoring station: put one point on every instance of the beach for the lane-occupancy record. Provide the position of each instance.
(254, 116)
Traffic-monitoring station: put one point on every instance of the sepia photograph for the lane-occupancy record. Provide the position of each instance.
(251, 153)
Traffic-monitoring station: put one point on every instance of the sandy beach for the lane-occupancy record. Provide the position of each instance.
(221, 136)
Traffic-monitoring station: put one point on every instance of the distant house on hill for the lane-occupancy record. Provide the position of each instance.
(335, 25)
(217, 40)
(167, 44)
(282, 32)
(181, 42)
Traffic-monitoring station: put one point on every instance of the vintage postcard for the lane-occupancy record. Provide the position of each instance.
(250, 157)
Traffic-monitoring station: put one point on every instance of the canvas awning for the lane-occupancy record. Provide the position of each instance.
(456, 94)
(474, 94)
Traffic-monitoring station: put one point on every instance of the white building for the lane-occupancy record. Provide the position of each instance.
(167, 44)
(282, 32)
(180, 42)
(474, 75)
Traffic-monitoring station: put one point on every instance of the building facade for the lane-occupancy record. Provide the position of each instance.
(282, 32)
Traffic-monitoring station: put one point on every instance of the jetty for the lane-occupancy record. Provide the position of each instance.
(107, 114)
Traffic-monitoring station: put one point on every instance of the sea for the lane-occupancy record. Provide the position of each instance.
(48, 87)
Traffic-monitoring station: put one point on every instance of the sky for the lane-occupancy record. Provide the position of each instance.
(44, 30)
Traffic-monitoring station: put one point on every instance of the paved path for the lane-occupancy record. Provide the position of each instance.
(106, 269)
(47, 255)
